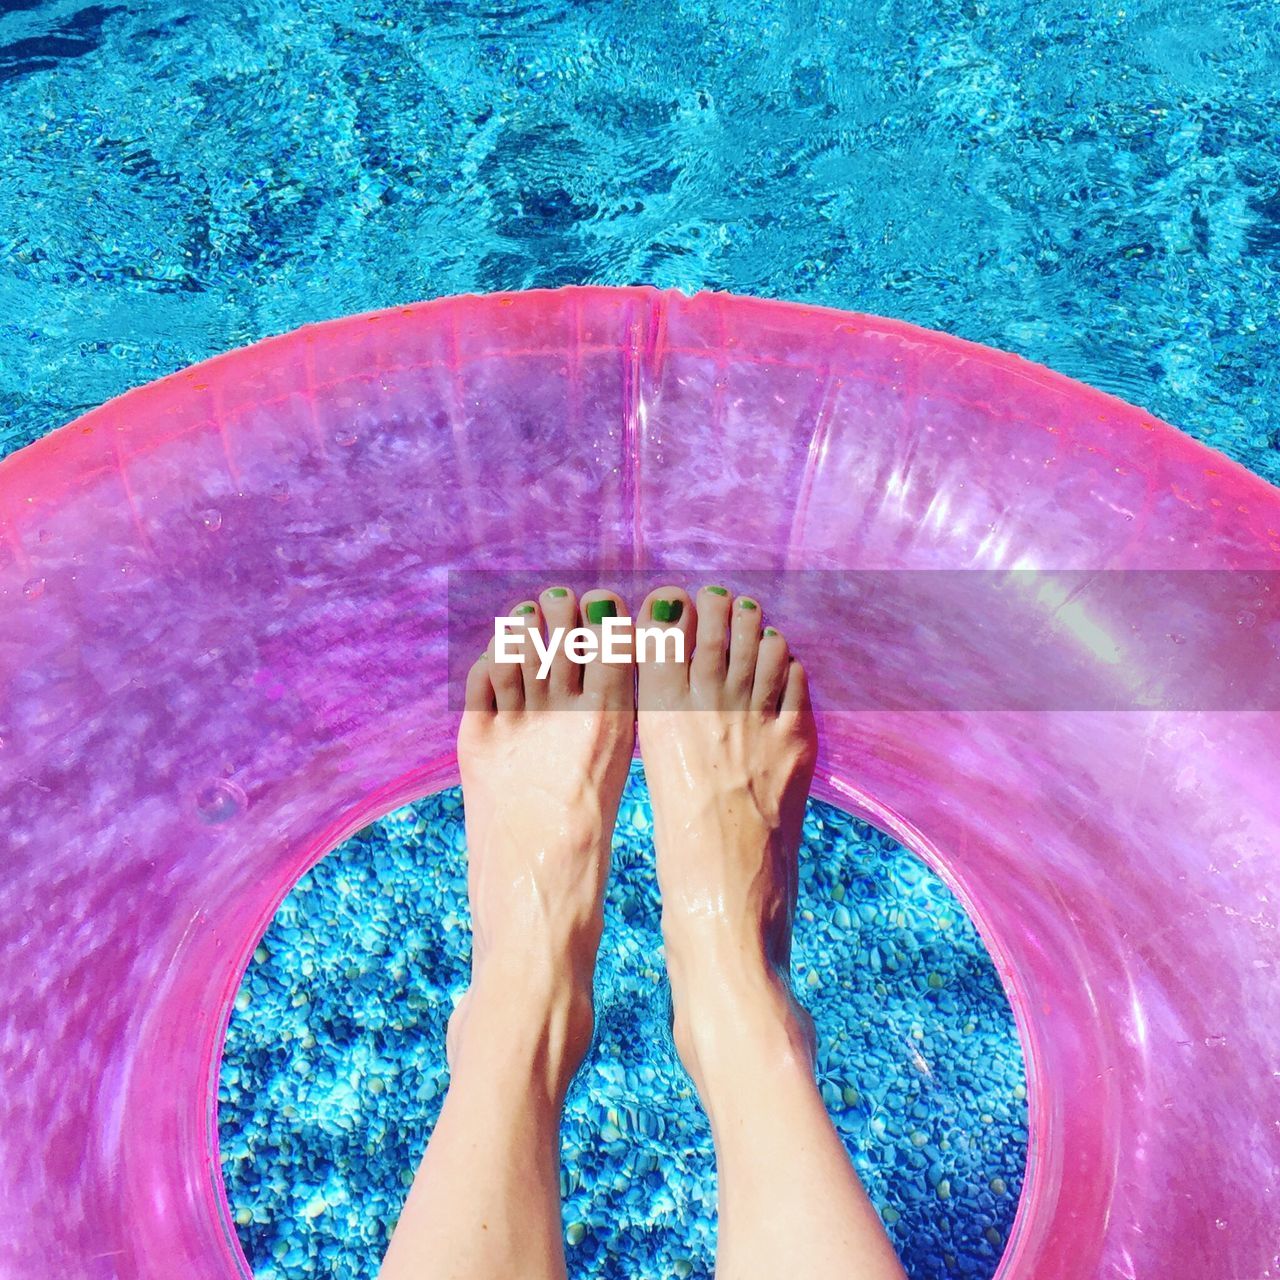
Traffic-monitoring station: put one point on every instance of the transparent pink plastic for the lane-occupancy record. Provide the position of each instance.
(222, 647)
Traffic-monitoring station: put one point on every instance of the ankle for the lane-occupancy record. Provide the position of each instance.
(535, 1021)
(736, 1016)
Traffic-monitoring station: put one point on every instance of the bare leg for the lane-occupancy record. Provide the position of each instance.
(543, 766)
(729, 744)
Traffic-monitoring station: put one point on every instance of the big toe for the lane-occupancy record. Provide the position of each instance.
(607, 678)
(666, 624)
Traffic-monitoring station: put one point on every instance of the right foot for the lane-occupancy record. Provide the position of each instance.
(543, 764)
(729, 744)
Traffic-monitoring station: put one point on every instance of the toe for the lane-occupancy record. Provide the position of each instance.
(744, 647)
(666, 612)
(529, 616)
(772, 662)
(608, 676)
(711, 650)
(506, 675)
(795, 695)
(560, 610)
(479, 689)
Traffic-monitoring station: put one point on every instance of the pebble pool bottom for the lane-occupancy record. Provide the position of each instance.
(334, 1069)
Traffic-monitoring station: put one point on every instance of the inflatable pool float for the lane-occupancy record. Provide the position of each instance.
(224, 648)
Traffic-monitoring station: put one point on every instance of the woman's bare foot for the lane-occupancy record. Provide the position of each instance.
(729, 744)
(543, 765)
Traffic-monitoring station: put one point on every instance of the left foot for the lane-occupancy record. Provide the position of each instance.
(543, 764)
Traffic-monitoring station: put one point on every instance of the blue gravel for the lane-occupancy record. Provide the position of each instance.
(334, 1069)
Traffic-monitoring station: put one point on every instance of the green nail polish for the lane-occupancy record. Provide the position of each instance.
(599, 610)
(668, 610)
(747, 604)
(718, 591)
(770, 631)
(558, 593)
(522, 610)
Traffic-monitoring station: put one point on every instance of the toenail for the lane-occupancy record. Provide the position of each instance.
(747, 604)
(718, 591)
(523, 609)
(770, 631)
(668, 610)
(558, 593)
(599, 610)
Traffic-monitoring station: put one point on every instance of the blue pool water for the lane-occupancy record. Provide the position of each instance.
(334, 1069)
(1094, 187)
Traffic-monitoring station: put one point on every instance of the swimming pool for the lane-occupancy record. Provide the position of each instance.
(1094, 189)
(1097, 193)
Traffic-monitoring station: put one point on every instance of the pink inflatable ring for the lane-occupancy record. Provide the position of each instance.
(223, 603)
